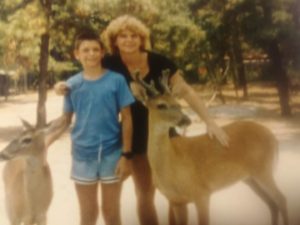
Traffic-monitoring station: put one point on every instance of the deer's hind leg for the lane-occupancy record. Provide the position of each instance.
(266, 198)
(265, 186)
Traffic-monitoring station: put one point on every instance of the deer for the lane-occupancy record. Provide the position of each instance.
(27, 175)
(188, 169)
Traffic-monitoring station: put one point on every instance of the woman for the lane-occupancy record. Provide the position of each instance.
(127, 40)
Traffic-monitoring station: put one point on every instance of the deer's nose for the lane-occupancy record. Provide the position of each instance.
(185, 121)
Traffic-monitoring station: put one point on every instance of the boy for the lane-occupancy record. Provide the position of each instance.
(96, 97)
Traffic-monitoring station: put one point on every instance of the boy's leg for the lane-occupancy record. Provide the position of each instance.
(88, 203)
(111, 203)
(144, 189)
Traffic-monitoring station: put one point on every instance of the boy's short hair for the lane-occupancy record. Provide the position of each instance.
(86, 35)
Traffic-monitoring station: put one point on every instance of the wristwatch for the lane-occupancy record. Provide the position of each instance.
(128, 155)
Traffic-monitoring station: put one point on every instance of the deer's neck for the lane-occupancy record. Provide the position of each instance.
(37, 181)
(159, 146)
(36, 162)
(34, 168)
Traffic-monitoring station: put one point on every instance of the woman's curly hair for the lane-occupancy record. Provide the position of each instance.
(131, 23)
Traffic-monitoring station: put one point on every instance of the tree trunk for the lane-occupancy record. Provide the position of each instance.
(277, 65)
(281, 78)
(43, 66)
(42, 81)
(239, 65)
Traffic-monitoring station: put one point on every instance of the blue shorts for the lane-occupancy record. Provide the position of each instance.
(100, 169)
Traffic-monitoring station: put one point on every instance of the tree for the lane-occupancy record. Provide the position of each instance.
(194, 33)
(28, 44)
(222, 23)
(20, 48)
(270, 26)
(43, 65)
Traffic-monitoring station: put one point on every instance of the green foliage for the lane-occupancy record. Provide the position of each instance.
(256, 23)
(275, 21)
(183, 38)
(20, 44)
(194, 33)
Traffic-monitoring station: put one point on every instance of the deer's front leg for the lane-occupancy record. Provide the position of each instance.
(41, 220)
(178, 214)
(202, 206)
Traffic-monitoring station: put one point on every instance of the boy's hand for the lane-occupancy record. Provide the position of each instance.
(123, 169)
(61, 88)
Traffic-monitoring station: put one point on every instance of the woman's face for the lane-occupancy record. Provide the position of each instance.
(128, 42)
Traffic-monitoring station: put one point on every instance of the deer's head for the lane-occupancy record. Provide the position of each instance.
(163, 106)
(31, 141)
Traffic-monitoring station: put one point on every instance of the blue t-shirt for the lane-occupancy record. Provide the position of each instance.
(96, 105)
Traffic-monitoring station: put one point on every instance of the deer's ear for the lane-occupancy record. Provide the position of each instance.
(27, 125)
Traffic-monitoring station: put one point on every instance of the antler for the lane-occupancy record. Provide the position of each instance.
(165, 80)
(149, 87)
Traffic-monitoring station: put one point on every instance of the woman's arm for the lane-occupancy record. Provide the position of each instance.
(180, 88)
(61, 88)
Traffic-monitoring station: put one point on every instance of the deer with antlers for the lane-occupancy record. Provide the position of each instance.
(27, 177)
(190, 169)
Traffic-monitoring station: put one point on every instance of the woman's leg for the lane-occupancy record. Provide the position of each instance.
(88, 203)
(144, 189)
(111, 203)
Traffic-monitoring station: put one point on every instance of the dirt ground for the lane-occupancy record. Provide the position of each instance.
(235, 205)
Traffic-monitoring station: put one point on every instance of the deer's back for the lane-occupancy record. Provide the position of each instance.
(251, 150)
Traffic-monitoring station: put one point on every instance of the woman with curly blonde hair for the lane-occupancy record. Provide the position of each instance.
(128, 42)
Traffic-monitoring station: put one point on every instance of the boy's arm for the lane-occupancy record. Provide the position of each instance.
(182, 89)
(126, 129)
(124, 165)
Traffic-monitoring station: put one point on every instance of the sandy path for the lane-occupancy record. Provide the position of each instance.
(236, 205)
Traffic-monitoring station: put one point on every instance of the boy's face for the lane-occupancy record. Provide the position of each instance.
(89, 54)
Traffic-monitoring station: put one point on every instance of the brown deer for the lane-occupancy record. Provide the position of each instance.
(190, 169)
(27, 177)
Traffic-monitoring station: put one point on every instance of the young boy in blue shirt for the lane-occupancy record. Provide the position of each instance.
(101, 145)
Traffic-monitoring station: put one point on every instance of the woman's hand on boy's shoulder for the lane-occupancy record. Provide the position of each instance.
(61, 88)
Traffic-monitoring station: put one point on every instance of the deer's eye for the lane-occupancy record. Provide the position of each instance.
(26, 140)
(162, 106)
